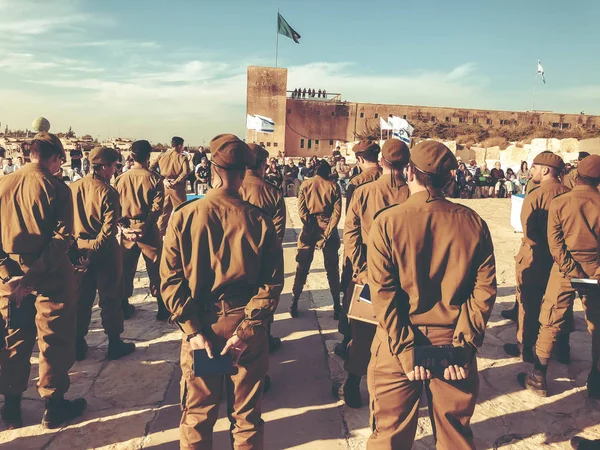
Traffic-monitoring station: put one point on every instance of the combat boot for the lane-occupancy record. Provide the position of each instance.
(117, 348)
(579, 443)
(163, 314)
(593, 384)
(352, 392)
(563, 349)
(58, 411)
(341, 349)
(81, 349)
(128, 309)
(274, 343)
(294, 308)
(512, 313)
(536, 380)
(11, 412)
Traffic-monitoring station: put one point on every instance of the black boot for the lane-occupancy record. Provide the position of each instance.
(512, 313)
(562, 350)
(274, 343)
(337, 309)
(593, 384)
(11, 412)
(117, 348)
(525, 352)
(352, 392)
(58, 411)
(81, 349)
(294, 308)
(512, 349)
(128, 309)
(341, 349)
(163, 314)
(579, 443)
(536, 380)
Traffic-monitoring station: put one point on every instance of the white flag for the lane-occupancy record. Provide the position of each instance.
(384, 125)
(402, 129)
(260, 123)
(541, 71)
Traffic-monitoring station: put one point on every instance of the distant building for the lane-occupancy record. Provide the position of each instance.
(306, 126)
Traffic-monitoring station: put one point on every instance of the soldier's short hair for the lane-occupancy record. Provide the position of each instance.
(43, 150)
(176, 141)
(435, 181)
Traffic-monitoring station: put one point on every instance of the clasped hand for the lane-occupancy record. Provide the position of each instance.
(453, 373)
(234, 346)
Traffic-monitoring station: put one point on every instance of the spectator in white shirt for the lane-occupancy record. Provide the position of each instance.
(9, 167)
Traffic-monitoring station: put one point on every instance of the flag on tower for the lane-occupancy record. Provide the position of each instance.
(284, 29)
(541, 71)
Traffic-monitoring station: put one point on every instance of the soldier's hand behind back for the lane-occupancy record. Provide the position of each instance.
(419, 374)
(235, 346)
(455, 373)
(199, 342)
(19, 292)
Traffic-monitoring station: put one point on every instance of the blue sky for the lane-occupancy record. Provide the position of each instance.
(152, 69)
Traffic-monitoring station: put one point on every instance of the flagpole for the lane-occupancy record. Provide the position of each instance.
(533, 97)
(277, 44)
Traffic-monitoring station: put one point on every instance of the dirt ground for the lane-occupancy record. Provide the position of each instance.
(133, 403)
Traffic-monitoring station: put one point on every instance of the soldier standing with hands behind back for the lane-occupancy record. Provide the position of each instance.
(222, 275)
(174, 167)
(432, 277)
(35, 234)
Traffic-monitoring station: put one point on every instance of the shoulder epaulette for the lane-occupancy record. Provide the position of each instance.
(383, 210)
(186, 203)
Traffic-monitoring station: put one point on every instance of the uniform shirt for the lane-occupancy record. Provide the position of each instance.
(368, 200)
(173, 166)
(534, 215)
(574, 232)
(37, 220)
(96, 211)
(221, 249)
(370, 174)
(268, 198)
(318, 196)
(570, 179)
(430, 263)
(141, 195)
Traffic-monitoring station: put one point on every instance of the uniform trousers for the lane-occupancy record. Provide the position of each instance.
(201, 396)
(149, 247)
(307, 241)
(557, 312)
(394, 399)
(52, 320)
(173, 198)
(105, 276)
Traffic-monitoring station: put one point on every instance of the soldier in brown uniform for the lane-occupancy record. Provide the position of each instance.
(97, 212)
(367, 156)
(570, 179)
(141, 194)
(174, 167)
(533, 262)
(432, 277)
(269, 199)
(320, 209)
(368, 200)
(222, 275)
(35, 233)
(573, 239)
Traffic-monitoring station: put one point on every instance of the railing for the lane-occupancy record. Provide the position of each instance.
(323, 96)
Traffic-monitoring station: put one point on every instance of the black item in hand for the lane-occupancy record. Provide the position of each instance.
(585, 286)
(207, 367)
(437, 358)
(24, 315)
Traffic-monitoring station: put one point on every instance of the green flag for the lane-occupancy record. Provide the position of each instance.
(284, 28)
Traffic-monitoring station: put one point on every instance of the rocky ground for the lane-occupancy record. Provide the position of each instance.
(133, 403)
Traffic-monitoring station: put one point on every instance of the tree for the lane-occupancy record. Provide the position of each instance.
(70, 133)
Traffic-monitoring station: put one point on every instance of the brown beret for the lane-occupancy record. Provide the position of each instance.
(395, 152)
(366, 146)
(103, 155)
(260, 153)
(433, 158)
(231, 153)
(589, 167)
(549, 159)
(51, 139)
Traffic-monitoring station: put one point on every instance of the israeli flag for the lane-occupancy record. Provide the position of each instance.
(401, 129)
(541, 71)
(260, 123)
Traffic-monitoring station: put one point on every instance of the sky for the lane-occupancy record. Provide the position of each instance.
(151, 69)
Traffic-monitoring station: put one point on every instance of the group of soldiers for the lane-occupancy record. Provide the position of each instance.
(216, 268)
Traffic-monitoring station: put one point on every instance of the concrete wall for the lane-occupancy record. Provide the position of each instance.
(266, 95)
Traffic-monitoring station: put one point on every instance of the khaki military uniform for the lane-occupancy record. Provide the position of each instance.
(172, 166)
(432, 276)
(96, 212)
(573, 237)
(141, 194)
(222, 273)
(368, 200)
(320, 209)
(265, 196)
(35, 234)
(533, 262)
(570, 179)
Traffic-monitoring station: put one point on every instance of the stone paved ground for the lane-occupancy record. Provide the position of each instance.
(133, 403)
